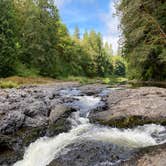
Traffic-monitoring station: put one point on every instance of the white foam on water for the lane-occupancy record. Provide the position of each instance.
(43, 151)
(135, 138)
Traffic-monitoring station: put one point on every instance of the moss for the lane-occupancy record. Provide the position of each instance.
(132, 121)
(29, 135)
(61, 125)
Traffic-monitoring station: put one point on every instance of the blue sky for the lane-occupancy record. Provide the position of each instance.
(91, 14)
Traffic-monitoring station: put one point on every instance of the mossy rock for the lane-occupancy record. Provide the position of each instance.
(131, 121)
(60, 126)
(32, 135)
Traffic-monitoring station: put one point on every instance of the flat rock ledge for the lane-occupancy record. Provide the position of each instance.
(132, 107)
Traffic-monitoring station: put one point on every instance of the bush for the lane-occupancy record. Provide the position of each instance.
(8, 84)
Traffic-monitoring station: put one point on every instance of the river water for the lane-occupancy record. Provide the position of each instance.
(44, 150)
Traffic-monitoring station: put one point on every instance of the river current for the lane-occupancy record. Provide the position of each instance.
(44, 150)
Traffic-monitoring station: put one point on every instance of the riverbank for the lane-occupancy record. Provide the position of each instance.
(33, 111)
(15, 81)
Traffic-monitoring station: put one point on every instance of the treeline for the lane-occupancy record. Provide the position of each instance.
(34, 41)
(143, 23)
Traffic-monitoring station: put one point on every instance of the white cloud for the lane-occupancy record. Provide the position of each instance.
(61, 3)
(111, 22)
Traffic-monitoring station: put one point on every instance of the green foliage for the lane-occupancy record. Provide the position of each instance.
(23, 71)
(8, 54)
(143, 23)
(111, 80)
(34, 41)
(119, 68)
(98, 58)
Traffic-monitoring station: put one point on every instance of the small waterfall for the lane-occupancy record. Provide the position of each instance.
(44, 150)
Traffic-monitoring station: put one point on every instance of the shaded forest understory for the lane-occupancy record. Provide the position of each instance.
(35, 42)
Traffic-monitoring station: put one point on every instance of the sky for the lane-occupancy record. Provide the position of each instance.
(91, 14)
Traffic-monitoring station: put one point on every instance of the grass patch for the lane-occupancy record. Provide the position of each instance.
(8, 84)
(15, 81)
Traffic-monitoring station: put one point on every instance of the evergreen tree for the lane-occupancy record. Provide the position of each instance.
(8, 39)
(144, 30)
(76, 34)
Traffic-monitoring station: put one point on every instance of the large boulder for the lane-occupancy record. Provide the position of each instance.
(99, 154)
(131, 107)
(58, 112)
(91, 153)
(150, 156)
(58, 120)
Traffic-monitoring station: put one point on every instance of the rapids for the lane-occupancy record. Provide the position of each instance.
(43, 151)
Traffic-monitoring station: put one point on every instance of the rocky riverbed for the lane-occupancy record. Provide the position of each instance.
(50, 111)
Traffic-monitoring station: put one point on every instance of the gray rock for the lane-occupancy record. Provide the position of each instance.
(150, 156)
(11, 122)
(88, 153)
(36, 121)
(36, 108)
(58, 112)
(24, 117)
(131, 107)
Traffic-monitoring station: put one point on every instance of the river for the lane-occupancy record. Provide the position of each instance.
(45, 149)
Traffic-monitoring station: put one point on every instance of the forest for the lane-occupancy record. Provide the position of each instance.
(35, 42)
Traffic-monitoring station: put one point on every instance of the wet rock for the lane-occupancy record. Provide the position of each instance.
(58, 120)
(131, 107)
(150, 156)
(57, 112)
(61, 125)
(90, 153)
